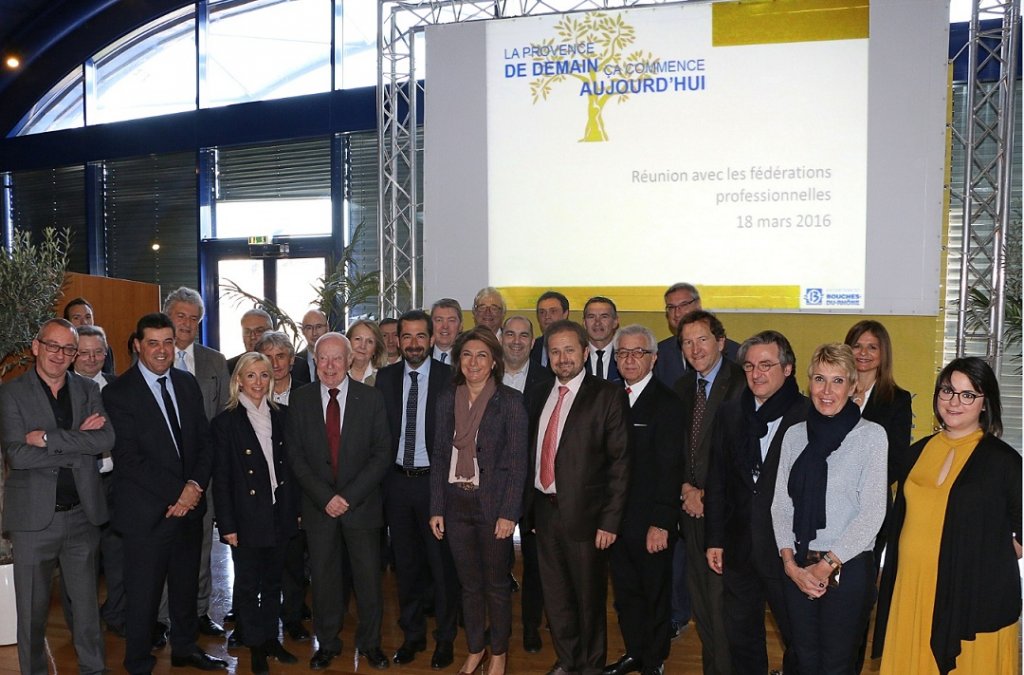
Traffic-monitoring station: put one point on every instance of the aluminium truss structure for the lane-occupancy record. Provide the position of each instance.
(987, 142)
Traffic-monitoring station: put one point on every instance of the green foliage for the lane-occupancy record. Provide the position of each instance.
(282, 321)
(31, 282)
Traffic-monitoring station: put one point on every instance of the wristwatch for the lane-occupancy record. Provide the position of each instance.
(44, 438)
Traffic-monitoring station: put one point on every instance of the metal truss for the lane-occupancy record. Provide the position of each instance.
(985, 194)
(400, 24)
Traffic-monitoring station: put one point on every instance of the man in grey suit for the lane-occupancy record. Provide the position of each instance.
(339, 449)
(54, 431)
(185, 307)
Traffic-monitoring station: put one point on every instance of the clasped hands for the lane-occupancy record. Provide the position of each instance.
(693, 500)
(189, 499)
(811, 580)
(503, 528)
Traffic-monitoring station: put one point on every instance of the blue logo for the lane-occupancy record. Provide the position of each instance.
(813, 296)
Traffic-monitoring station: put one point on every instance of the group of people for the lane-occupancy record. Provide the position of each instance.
(692, 471)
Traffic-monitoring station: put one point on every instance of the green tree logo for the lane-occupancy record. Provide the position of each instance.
(611, 35)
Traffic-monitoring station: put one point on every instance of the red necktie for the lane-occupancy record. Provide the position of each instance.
(333, 428)
(550, 443)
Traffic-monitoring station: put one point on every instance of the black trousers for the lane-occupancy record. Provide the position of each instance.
(643, 592)
(531, 590)
(746, 592)
(257, 599)
(293, 579)
(169, 552)
(419, 558)
(827, 631)
(482, 563)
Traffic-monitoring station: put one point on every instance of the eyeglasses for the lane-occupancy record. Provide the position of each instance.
(967, 398)
(681, 305)
(53, 348)
(637, 354)
(763, 366)
(257, 332)
(491, 309)
(92, 353)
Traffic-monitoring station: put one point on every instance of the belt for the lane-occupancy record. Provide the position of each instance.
(65, 507)
(551, 498)
(467, 487)
(414, 472)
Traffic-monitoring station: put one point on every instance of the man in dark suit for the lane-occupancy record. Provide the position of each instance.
(410, 388)
(601, 320)
(552, 306)
(740, 542)
(186, 309)
(314, 324)
(580, 471)
(641, 559)
(255, 322)
(80, 313)
(54, 431)
(528, 376)
(164, 460)
(340, 449)
(709, 380)
(680, 299)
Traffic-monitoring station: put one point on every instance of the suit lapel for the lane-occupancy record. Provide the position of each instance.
(718, 389)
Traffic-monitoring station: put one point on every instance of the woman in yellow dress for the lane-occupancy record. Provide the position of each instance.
(950, 596)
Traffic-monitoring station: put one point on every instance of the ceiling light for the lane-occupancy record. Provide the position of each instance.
(12, 62)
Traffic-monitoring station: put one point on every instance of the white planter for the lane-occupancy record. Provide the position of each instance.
(8, 609)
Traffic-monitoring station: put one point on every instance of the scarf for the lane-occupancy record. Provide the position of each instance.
(756, 420)
(467, 423)
(808, 479)
(259, 418)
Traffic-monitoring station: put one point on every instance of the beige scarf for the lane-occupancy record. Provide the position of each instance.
(467, 423)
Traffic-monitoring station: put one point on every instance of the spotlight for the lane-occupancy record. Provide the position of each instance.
(156, 247)
(12, 62)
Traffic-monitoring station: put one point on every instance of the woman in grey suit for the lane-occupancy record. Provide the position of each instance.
(478, 470)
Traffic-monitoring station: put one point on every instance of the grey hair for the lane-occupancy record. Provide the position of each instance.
(637, 329)
(683, 286)
(272, 339)
(332, 336)
(189, 297)
(93, 331)
(256, 311)
(769, 337)
(64, 323)
(484, 292)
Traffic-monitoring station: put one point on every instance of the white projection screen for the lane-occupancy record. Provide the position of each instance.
(783, 156)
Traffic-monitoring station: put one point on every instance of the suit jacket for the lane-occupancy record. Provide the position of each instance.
(670, 365)
(231, 363)
(592, 461)
(213, 377)
(610, 367)
(728, 385)
(738, 510)
(538, 383)
(656, 446)
(389, 382)
(500, 454)
(896, 417)
(149, 474)
(300, 369)
(537, 351)
(30, 489)
(363, 458)
(241, 486)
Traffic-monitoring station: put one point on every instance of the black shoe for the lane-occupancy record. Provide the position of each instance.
(513, 582)
(557, 669)
(375, 657)
(627, 664)
(258, 658)
(208, 626)
(407, 652)
(159, 635)
(531, 640)
(274, 649)
(296, 631)
(660, 670)
(117, 629)
(677, 628)
(230, 616)
(444, 656)
(322, 658)
(235, 639)
(198, 659)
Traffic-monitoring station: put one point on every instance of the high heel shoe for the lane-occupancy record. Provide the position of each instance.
(497, 664)
(476, 669)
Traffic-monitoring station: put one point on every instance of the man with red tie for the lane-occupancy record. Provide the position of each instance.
(339, 449)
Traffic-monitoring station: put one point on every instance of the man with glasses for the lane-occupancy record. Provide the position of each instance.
(740, 543)
(80, 313)
(255, 322)
(314, 324)
(641, 559)
(54, 430)
(680, 299)
(489, 309)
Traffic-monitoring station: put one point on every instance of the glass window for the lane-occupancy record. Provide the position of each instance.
(150, 72)
(266, 49)
(357, 28)
(61, 108)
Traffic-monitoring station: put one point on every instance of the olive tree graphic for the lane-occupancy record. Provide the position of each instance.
(612, 36)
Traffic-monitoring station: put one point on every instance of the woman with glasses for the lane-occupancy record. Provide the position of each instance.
(950, 595)
(830, 496)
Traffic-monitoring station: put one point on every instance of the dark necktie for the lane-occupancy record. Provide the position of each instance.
(172, 414)
(700, 406)
(444, 357)
(333, 429)
(599, 371)
(409, 458)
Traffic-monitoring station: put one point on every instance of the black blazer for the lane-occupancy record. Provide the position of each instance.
(241, 489)
(300, 369)
(737, 510)
(670, 365)
(728, 385)
(363, 458)
(500, 454)
(389, 382)
(611, 368)
(537, 352)
(592, 462)
(538, 383)
(149, 475)
(656, 444)
(896, 417)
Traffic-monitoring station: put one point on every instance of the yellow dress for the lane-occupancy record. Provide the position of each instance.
(907, 649)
